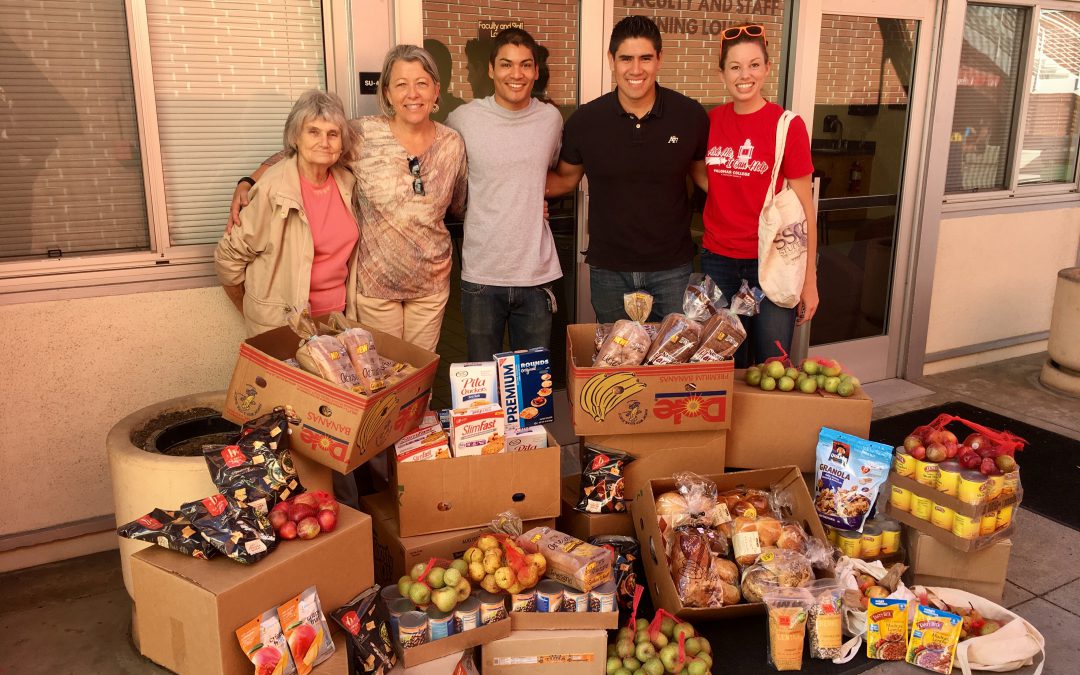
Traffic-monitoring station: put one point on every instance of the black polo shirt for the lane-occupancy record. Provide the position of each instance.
(639, 212)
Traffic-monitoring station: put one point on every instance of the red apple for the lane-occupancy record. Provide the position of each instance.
(970, 460)
(277, 519)
(918, 452)
(327, 520)
(865, 581)
(281, 506)
(936, 452)
(951, 450)
(298, 512)
(988, 466)
(911, 442)
(932, 436)
(329, 504)
(308, 528)
(288, 530)
(307, 498)
(949, 437)
(986, 451)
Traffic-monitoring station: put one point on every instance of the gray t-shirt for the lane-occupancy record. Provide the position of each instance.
(507, 242)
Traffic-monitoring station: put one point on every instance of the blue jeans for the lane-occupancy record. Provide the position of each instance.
(666, 286)
(762, 331)
(489, 310)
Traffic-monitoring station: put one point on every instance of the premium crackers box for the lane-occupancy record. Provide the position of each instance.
(525, 387)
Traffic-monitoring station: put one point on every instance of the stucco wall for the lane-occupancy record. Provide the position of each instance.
(75, 368)
(994, 276)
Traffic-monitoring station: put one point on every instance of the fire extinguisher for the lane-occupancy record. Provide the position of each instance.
(855, 177)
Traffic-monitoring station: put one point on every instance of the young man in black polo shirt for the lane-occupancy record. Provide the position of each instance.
(637, 145)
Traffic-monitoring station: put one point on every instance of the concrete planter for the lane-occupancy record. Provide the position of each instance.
(1062, 370)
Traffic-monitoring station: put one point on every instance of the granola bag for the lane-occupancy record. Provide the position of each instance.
(850, 471)
(257, 469)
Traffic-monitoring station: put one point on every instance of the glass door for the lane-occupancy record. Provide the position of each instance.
(861, 74)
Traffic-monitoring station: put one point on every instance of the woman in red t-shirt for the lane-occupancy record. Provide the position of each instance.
(738, 166)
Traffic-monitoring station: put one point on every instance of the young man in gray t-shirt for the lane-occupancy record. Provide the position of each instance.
(508, 256)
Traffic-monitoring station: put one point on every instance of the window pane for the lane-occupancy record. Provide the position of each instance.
(225, 77)
(986, 89)
(71, 172)
(1048, 153)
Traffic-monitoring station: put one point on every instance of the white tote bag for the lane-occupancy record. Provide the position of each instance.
(782, 234)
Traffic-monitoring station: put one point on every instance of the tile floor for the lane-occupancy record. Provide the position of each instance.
(74, 616)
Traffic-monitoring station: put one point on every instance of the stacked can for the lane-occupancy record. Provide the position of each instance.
(870, 542)
(890, 536)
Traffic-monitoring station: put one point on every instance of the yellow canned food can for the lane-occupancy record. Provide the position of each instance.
(973, 487)
(871, 541)
(966, 527)
(942, 516)
(903, 463)
(1004, 517)
(890, 537)
(1012, 483)
(926, 472)
(900, 498)
(949, 477)
(921, 507)
(850, 543)
(988, 523)
(995, 485)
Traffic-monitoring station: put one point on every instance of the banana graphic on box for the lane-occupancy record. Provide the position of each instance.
(376, 423)
(602, 393)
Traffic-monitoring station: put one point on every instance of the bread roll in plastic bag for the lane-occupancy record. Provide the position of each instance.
(676, 341)
(702, 298)
(626, 345)
(721, 337)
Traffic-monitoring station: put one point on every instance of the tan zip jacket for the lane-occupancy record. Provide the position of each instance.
(271, 251)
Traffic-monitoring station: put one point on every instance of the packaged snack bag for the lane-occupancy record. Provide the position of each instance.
(850, 471)
(371, 648)
(237, 531)
(264, 644)
(934, 636)
(787, 609)
(886, 629)
(306, 631)
(170, 529)
(826, 622)
(602, 480)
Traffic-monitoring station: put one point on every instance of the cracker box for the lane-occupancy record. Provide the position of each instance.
(473, 383)
(525, 387)
(430, 442)
(430, 419)
(477, 431)
(518, 440)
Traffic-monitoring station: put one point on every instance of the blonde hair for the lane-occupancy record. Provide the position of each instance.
(412, 54)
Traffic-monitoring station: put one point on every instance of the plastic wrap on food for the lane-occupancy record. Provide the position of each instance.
(721, 337)
(638, 305)
(702, 298)
(325, 356)
(626, 345)
(604, 329)
(570, 560)
(370, 368)
(774, 568)
(169, 529)
(299, 319)
(747, 301)
(701, 578)
(676, 341)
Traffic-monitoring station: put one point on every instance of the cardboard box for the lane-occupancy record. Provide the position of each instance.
(188, 609)
(338, 428)
(957, 506)
(786, 479)
(453, 494)
(564, 620)
(543, 652)
(932, 563)
(395, 555)
(586, 525)
(456, 643)
(661, 455)
(679, 397)
(777, 428)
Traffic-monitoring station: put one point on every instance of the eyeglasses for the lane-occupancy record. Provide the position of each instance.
(414, 169)
(754, 30)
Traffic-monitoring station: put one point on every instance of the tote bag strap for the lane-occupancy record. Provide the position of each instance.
(781, 141)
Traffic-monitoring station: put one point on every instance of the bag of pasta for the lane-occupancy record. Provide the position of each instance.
(675, 342)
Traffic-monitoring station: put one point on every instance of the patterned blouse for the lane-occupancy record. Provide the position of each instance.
(405, 249)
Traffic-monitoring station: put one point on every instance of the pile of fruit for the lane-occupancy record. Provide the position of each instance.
(869, 588)
(429, 583)
(653, 649)
(499, 565)
(976, 452)
(304, 515)
(974, 624)
(815, 374)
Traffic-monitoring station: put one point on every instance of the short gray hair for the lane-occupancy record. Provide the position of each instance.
(412, 54)
(319, 105)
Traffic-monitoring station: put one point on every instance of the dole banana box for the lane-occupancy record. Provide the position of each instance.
(473, 383)
(525, 387)
(519, 440)
(479, 430)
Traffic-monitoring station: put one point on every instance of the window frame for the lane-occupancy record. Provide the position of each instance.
(1014, 194)
(164, 266)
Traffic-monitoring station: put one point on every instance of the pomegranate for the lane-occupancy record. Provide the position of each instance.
(327, 520)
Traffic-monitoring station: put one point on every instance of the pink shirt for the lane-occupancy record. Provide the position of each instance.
(334, 233)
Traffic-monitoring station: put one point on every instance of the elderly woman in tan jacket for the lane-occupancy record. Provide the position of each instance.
(296, 241)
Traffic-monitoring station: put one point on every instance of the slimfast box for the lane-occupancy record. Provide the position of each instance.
(525, 387)
(426, 443)
(475, 382)
(477, 431)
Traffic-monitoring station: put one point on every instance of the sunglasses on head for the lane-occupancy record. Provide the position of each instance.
(414, 169)
(754, 30)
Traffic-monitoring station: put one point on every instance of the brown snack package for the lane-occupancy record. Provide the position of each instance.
(676, 341)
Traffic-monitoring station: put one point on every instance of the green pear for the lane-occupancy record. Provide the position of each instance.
(653, 666)
(613, 663)
(631, 664)
(753, 376)
(645, 651)
(417, 570)
(403, 585)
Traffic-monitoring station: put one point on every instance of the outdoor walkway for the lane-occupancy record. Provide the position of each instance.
(74, 616)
